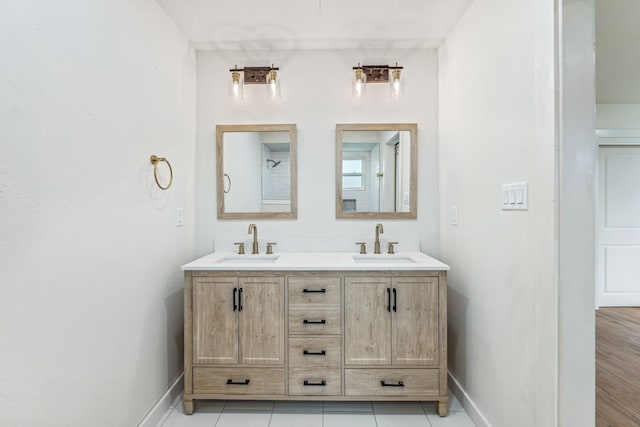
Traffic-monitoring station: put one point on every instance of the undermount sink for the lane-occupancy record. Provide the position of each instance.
(248, 259)
(382, 259)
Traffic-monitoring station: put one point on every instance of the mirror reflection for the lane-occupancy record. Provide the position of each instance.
(376, 175)
(256, 171)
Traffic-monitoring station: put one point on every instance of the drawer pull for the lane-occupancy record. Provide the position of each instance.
(314, 322)
(314, 291)
(314, 353)
(384, 384)
(231, 382)
(322, 383)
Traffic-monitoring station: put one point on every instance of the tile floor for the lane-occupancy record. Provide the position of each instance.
(315, 414)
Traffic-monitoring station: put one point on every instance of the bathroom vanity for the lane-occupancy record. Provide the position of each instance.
(316, 326)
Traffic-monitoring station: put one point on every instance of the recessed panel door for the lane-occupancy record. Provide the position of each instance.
(619, 227)
(414, 317)
(215, 322)
(262, 320)
(367, 321)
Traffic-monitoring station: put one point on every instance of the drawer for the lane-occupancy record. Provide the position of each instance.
(315, 319)
(314, 352)
(238, 380)
(314, 290)
(314, 382)
(391, 382)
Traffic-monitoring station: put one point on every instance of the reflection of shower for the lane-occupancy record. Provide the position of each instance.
(273, 163)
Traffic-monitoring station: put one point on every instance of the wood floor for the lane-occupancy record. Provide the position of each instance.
(618, 367)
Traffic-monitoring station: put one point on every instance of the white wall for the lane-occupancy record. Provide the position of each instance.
(90, 286)
(497, 127)
(618, 116)
(316, 95)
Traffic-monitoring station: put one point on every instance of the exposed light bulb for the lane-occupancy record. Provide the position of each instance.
(359, 82)
(396, 82)
(235, 85)
(273, 84)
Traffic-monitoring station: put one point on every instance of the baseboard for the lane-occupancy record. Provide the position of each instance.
(162, 406)
(468, 403)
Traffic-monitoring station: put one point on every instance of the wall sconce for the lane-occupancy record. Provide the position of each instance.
(254, 75)
(363, 74)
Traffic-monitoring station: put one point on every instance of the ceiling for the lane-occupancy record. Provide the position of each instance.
(310, 24)
(618, 51)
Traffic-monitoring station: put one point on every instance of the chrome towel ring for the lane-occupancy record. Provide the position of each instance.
(155, 160)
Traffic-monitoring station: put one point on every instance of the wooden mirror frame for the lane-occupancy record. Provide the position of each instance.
(413, 173)
(293, 141)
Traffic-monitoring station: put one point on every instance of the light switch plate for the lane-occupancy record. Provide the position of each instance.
(454, 215)
(515, 196)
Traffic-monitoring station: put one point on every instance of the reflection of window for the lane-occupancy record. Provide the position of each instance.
(352, 176)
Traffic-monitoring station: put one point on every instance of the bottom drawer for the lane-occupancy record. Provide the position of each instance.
(238, 380)
(315, 382)
(391, 382)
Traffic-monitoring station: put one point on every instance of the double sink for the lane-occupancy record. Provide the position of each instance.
(385, 259)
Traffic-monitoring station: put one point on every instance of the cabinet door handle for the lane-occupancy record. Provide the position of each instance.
(314, 353)
(322, 383)
(314, 291)
(389, 300)
(240, 299)
(235, 306)
(314, 322)
(232, 382)
(384, 384)
(395, 300)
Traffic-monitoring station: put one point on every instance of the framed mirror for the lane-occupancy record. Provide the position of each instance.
(376, 171)
(256, 171)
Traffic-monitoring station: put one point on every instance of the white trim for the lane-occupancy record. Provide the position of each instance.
(162, 408)
(618, 136)
(469, 405)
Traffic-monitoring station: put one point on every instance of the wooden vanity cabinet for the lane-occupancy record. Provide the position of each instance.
(234, 336)
(296, 335)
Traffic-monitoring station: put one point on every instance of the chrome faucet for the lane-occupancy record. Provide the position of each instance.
(376, 246)
(254, 228)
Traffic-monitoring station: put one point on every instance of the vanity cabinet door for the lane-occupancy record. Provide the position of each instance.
(391, 321)
(262, 321)
(367, 321)
(215, 322)
(415, 321)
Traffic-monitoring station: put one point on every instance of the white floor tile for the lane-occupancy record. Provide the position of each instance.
(295, 407)
(248, 406)
(430, 407)
(402, 420)
(349, 419)
(383, 408)
(292, 419)
(362, 407)
(205, 415)
(454, 419)
(454, 404)
(246, 419)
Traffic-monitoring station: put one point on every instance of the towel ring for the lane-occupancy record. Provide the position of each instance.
(155, 160)
(229, 180)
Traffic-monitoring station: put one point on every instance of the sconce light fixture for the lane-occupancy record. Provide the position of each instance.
(363, 74)
(254, 75)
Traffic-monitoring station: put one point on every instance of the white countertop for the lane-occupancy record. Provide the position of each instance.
(316, 261)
